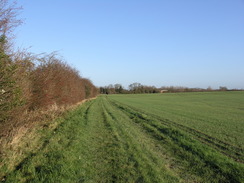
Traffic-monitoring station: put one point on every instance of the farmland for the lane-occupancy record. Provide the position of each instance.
(180, 137)
(217, 114)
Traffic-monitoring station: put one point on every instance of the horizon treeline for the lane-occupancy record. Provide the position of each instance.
(29, 82)
(138, 88)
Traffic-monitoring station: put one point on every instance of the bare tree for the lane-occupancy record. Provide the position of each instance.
(8, 21)
(8, 17)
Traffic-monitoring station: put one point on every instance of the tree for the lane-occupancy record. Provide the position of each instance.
(8, 16)
(135, 87)
(223, 88)
(118, 88)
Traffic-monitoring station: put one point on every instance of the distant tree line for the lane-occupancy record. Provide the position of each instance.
(29, 82)
(137, 88)
(133, 88)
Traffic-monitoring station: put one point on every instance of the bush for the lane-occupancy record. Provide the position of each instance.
(9, 92)
(55, 82)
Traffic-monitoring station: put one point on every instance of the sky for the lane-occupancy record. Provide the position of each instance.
(154, 42)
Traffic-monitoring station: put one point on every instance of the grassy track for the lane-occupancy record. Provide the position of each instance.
(106, 140)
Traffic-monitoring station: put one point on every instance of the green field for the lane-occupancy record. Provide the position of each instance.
(181, 137)
(217, 114)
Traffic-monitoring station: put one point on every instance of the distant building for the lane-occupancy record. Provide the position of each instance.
(163, 91)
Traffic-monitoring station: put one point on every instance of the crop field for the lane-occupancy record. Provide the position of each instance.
(180, 137)
(218, 115)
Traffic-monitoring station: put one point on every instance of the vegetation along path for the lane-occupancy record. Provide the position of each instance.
(105, 140)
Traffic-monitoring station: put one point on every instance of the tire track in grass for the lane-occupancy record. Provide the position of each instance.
(124, 165)
(107, 157)
(137, 150)
(121, 166)
(104, 155)
(96, 143)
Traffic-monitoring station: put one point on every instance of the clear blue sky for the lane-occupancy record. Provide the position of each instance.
(193, 43)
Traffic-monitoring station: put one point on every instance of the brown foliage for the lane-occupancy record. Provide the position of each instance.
(54, 82)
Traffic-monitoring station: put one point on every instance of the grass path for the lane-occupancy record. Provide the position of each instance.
(104, 141)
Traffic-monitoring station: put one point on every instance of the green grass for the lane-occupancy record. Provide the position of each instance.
(121, 138)
(218, 114)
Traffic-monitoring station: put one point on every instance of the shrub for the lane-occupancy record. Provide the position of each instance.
(9, 92)
(55, 82)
